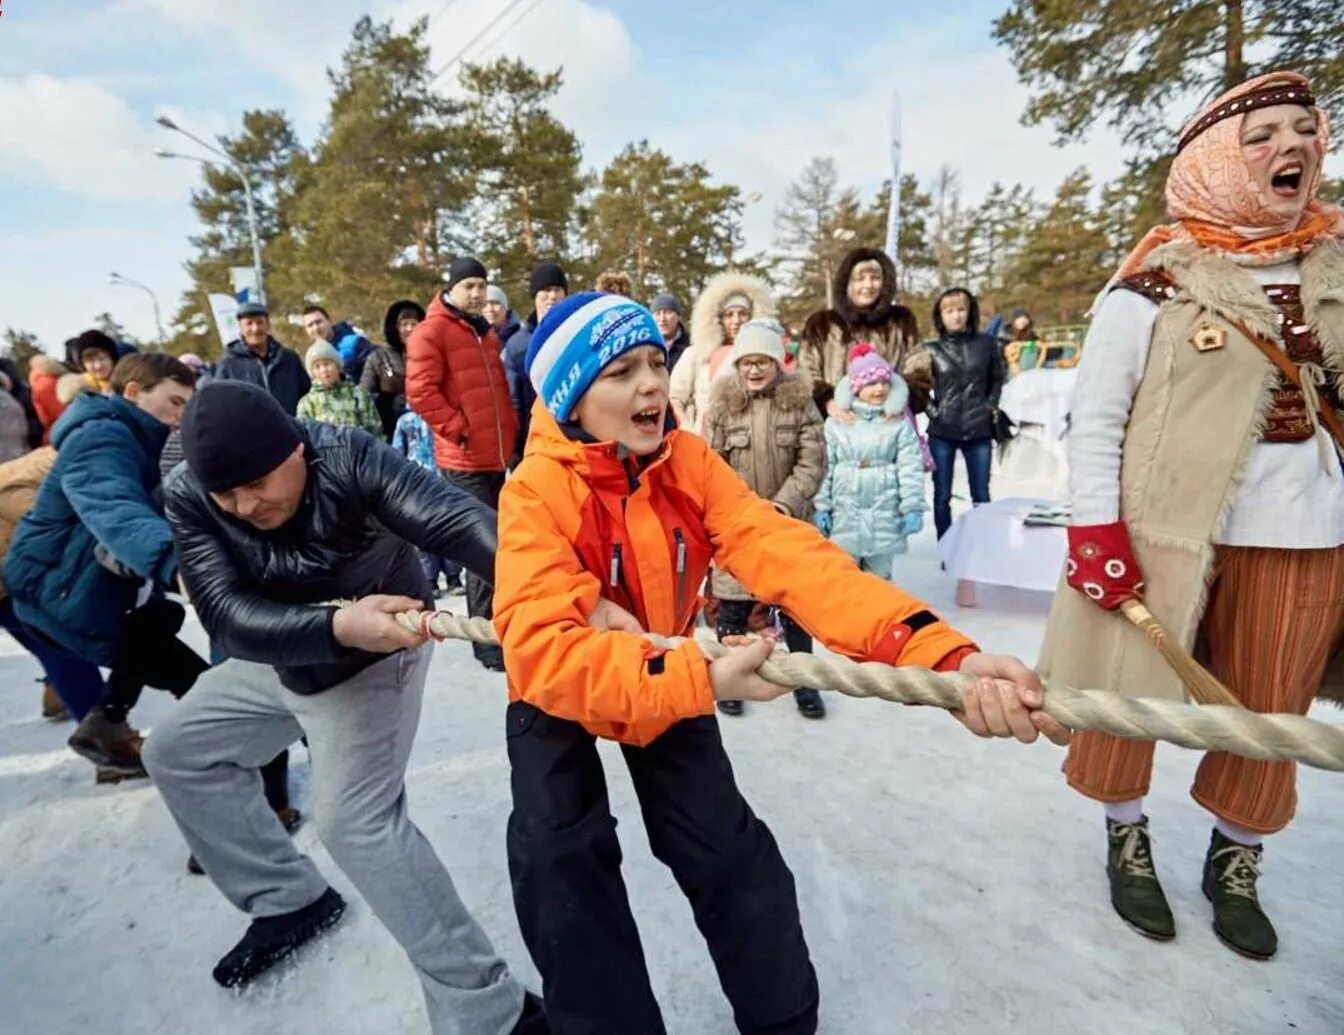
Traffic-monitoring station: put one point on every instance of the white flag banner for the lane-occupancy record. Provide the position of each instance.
(244, 283)
(225, 310)
(894, 212)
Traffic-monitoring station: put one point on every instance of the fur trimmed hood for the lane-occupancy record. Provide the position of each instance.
(706, 332)
(881, 311)
(789, 391)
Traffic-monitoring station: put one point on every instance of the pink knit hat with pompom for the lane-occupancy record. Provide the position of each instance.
(867, 367)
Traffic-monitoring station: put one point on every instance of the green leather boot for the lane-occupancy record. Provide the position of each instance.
(1135, 892)
(1230, 872)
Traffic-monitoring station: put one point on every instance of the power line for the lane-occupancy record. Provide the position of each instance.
(506, 29)
(476, 39)
(435, 16)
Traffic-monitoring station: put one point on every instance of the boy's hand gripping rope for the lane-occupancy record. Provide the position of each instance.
(1203, 727)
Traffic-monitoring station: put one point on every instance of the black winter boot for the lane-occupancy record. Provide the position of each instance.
(532, 1021)
(1135, 892)
(810, 703)
(1230, 871)
(270, 939)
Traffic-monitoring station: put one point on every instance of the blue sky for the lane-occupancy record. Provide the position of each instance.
(752, 88)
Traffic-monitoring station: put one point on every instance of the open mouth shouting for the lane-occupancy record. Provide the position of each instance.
(1287, 181)
(649, 420)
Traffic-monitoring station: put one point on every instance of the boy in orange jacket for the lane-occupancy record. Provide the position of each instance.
(606, 531)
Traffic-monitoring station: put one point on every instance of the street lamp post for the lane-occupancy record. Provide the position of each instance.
(116, 278)
(167, 123)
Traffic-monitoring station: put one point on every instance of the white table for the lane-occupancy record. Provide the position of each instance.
(990, 544)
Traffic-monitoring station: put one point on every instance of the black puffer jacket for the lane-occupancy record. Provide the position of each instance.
(968, 375)
(364, 508)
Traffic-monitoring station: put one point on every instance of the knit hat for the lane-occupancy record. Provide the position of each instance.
(234, 432)
(192, 360)
(757, 338)
(547, 275)
(252, 309)
(665, 301)
(463, 268)
(577, 338)
(495, 293)
(737, 300)
(320, 350)
(866, 367)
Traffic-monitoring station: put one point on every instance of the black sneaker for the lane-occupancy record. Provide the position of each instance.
(1230, 872)
(270, 939)
(1135, 892)
(730, 707)
(532, 1021)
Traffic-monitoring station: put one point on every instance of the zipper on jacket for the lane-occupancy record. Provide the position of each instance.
(615, 580)
(681, 570)
(494, 401)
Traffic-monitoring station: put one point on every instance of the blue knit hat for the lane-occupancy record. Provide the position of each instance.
(579, 337)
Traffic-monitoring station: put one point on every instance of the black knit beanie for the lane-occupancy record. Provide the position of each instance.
(463, 268)
(234, 433)
(547, 275)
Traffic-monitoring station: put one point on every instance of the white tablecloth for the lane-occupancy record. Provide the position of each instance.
(991, 545)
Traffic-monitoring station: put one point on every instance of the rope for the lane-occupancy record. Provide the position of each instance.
(1236, 730)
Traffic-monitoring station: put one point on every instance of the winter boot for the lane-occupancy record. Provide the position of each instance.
(532, 1021)
(270, 939)
(810, 703)
(53, 707)
(1135, 892)
(104, 774)
(111, 745)
(1230, 871)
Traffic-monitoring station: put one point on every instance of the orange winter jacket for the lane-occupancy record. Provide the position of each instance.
(580, 520)
(455, 381)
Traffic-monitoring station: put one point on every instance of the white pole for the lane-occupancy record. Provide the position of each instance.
(894, 212)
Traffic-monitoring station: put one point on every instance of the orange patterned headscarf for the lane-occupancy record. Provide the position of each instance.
(1214, 200)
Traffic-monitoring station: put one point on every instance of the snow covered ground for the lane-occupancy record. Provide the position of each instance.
(947, 884)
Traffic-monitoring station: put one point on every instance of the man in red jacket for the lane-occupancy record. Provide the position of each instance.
(455, 381)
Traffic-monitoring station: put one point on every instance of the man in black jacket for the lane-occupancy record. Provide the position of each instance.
(259, 359)
(273, 520)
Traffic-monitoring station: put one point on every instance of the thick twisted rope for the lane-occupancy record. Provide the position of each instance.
(1204, 727)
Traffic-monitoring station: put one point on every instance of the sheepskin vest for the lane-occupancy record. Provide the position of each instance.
(1202, 406)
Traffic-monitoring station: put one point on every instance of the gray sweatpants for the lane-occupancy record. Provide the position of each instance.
(204, 760)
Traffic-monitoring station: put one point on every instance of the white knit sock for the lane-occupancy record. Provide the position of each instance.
(1125, 811)
(1240, 835)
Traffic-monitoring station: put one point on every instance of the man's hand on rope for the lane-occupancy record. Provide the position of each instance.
(1005, 701)
(733, 676)
(370, 623)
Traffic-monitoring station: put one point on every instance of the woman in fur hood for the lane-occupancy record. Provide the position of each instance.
(1204, 481)
(865, 309)
(728, 301)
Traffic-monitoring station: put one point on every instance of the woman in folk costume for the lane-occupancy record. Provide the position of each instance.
(728, 301)
(1204, 480)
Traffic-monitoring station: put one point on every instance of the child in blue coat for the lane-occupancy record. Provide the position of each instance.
(872, 498)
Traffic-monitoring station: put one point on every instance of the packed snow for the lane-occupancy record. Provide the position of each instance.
(947, 884)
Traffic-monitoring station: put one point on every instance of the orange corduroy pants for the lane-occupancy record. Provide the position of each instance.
(1274, 619)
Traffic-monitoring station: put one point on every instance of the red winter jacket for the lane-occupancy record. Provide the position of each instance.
(455, 381)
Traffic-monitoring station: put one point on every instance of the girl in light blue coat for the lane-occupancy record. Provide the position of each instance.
(872, 498)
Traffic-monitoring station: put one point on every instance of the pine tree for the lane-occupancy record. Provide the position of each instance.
(1063, 262)
(1138, 66)
(663, 222)
(530, 182)
(385, 184)
(269, 149)
(21, 347)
